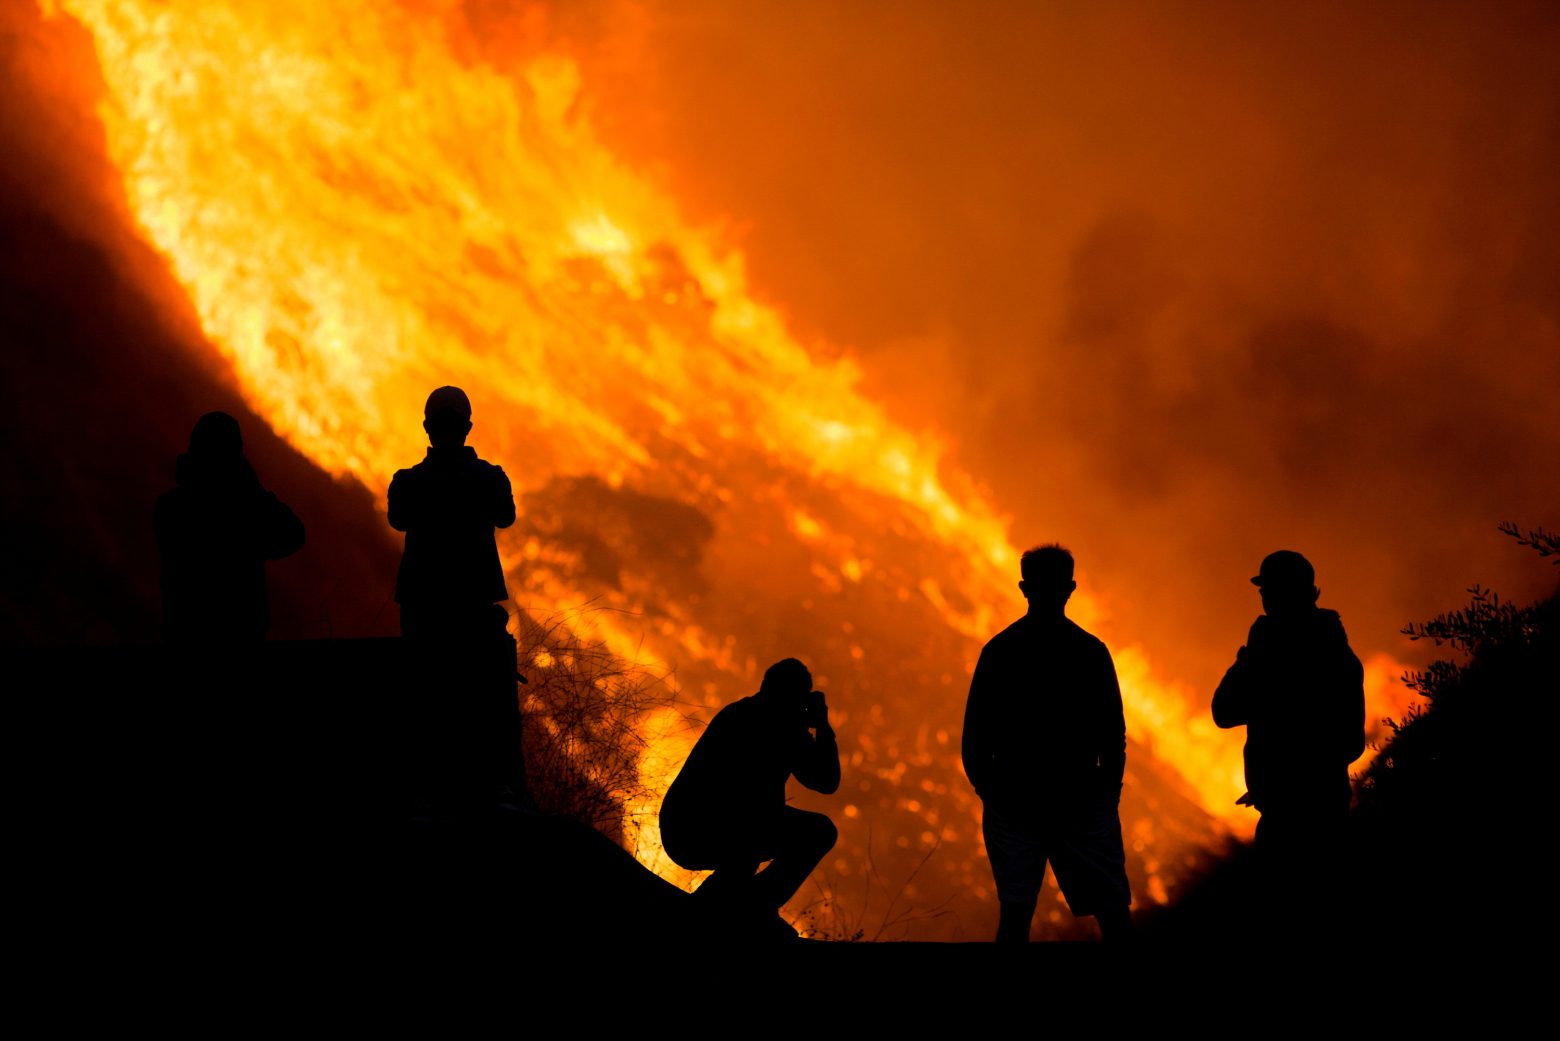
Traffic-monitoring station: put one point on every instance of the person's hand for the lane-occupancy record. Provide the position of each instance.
(815, 710)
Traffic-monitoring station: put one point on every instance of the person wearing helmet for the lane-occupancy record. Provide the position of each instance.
(1298, 689)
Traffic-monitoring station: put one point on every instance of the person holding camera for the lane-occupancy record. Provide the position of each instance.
(450, 505)
(726, 810)
(450, 588)
(215, 531)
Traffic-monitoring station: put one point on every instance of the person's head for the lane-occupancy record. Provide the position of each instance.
(447, 417)
(1287, 582)
(786, 680)
(216, 439)
(1048, 577)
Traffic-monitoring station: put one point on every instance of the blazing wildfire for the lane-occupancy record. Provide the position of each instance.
(361, 201)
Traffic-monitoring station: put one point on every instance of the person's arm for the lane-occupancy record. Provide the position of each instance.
(1351, 706)
(503, 499)
(281, 532)
(1112, 746)
(1232, 700)
(399, 501)
(268, 526)
(818, 762)
(975, 746)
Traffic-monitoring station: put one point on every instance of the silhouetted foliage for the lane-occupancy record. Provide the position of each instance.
(584, 710)
(826, 917)
(1542, 542)
(1502, 641)
(1446, 806)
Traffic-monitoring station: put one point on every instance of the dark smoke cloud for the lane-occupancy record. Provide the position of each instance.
(1183, 283)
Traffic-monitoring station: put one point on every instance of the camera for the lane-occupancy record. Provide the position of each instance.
(815, 710)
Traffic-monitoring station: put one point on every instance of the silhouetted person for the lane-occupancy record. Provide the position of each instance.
(726, 810)
(1045, 745)
(1298, 689)
(215, 531)
(449, 505)
(449, 587)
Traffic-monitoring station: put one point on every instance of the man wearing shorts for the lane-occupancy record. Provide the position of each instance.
(1045, 745)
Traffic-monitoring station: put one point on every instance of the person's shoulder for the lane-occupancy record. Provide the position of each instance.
(730, 708)
(490, 468)
(733, 714)
(1330, 624)
(407, 473)
(1085, 639)
(1077, 634)
(741, 707)
(1015, 633)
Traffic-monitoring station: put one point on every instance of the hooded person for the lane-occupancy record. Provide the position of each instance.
(215, 530)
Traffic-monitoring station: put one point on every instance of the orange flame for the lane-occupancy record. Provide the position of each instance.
(359, 215)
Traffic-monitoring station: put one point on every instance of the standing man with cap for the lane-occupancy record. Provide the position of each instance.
(449, 505)
(1298, 689)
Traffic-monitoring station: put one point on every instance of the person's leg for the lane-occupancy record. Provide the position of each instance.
(698, 843)
(414, 623)
(798, 842)
(729, 883)
(1300, 854)
(1017, 849)
(1014, 920)
(1091, 868)
(1115, 925)
(717, 844)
